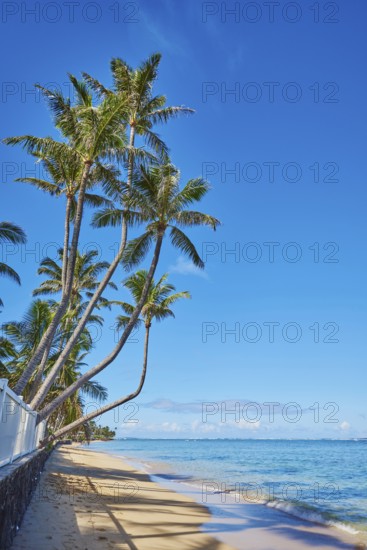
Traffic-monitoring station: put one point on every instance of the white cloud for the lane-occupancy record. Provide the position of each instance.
(170, 427)
(245, 425)
(345, 426)
(174, 406)
(186, 267)
(240, 425)
(142, 427)
(204, 428)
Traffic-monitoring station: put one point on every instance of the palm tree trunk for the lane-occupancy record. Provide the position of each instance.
(68, 347)
(42, 393)
(110, 406)
(130, 165)
(38, 378)
(50, 332)
(66, 241)
(46, 411)
(76, 232)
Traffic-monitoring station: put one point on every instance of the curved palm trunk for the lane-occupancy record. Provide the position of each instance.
(42, 393)
(38, 378)
(69, 345)
(110, 406)
(50, 332)
(46, 411)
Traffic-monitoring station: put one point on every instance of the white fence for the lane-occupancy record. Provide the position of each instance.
(19, 434)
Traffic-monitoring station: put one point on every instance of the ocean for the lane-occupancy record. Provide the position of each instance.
(319, 480)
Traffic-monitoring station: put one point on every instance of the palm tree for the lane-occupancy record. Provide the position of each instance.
(157, 306)
(13, 234)
(93, 137)
(7, 351)
(94, 134)
(157, 196)
(24, 336)
(142, 110)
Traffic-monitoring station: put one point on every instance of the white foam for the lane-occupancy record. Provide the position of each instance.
(309, 515)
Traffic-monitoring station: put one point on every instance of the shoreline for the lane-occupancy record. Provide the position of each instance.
(143, 510)
(315, 527)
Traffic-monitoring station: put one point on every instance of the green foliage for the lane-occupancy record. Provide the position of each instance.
(88, 166)
(99, 432)
(10, 233)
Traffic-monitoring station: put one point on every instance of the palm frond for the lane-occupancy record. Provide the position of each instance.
(93, 200)
(95, 390)
(190, 218)
(194, 191)
(108, 217)
(83, 96)
(7, 271)
(43, 185)
(164, 115)
(183, 243)
(11, 233)
(95, 85)
(137, 249)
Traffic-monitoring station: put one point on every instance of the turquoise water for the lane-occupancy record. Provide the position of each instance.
(323, 478)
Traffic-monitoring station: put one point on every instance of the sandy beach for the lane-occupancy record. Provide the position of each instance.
(90, 500)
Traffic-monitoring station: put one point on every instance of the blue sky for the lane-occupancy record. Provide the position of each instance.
(280, 132)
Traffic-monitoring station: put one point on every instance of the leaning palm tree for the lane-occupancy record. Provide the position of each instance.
(161, 297)
(157, 196)
(131, 103)
(94, 134)
(10, 233)
(142, 110)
